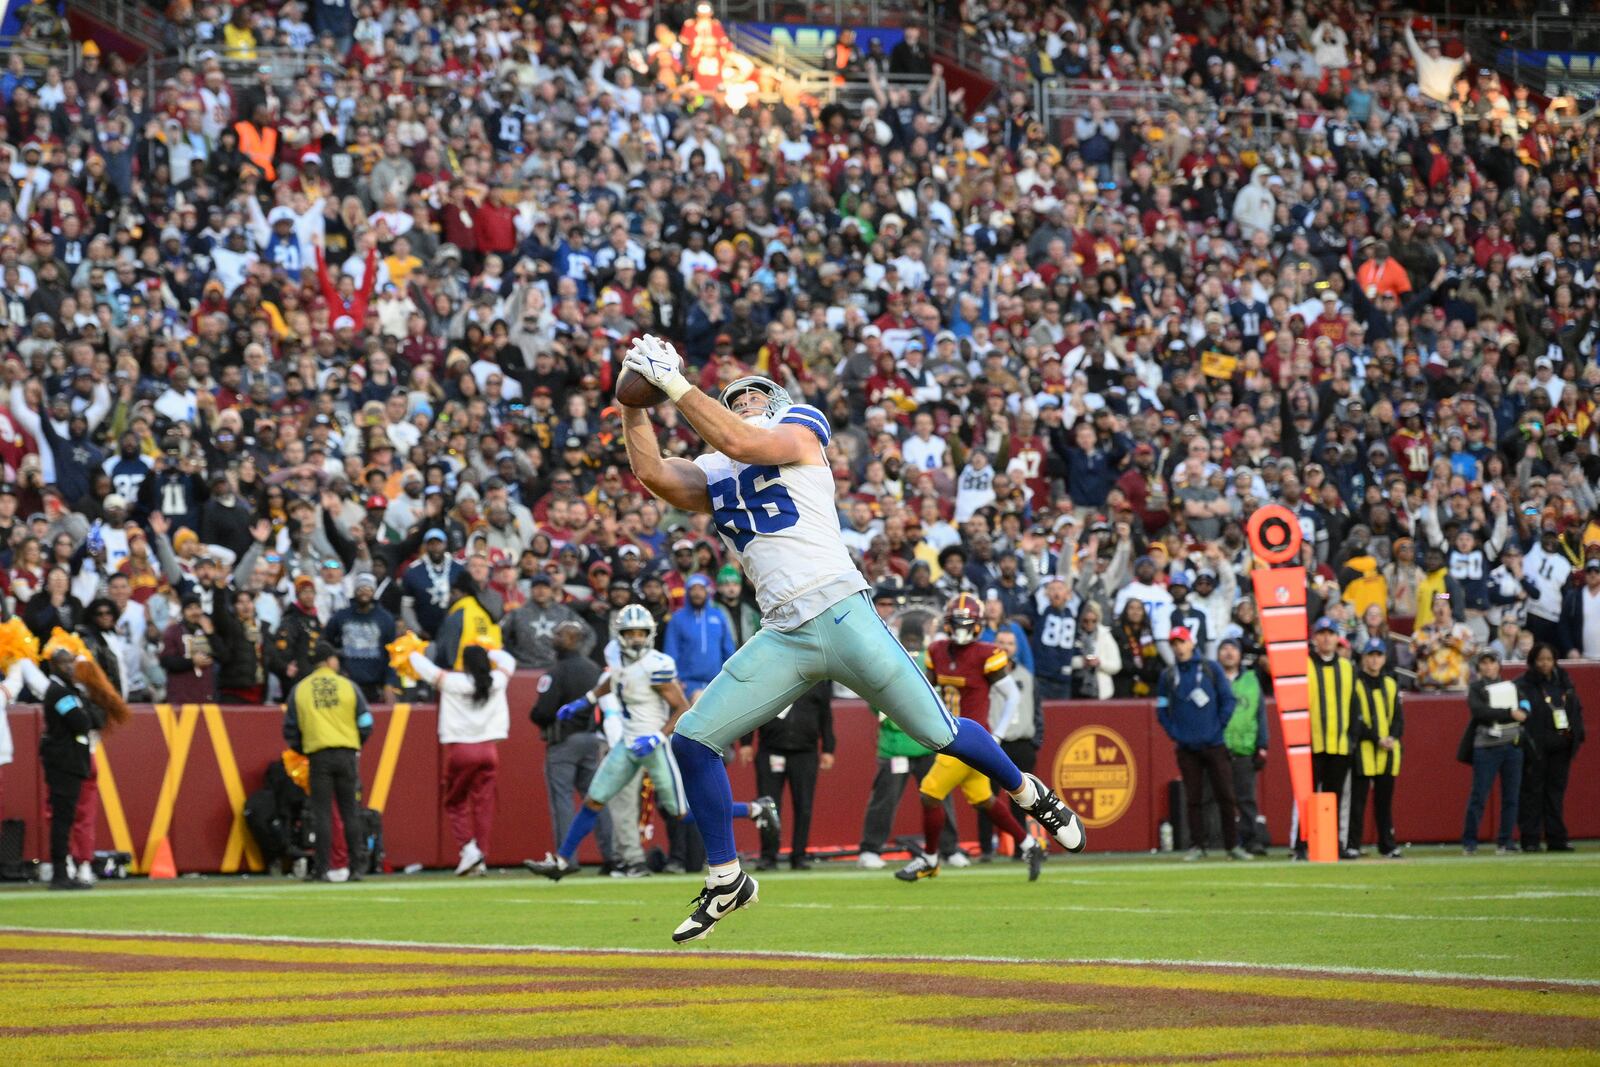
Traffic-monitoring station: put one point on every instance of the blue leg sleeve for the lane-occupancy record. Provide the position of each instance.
(582, 823)
(705, 780)
(741, 810)
(977, 748)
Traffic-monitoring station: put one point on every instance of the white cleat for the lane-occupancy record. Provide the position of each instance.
(714, 903)
(870, 861)
(471, 856)
(1058, 820)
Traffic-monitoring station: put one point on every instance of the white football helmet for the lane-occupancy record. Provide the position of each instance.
(777, 396)
(635, 630)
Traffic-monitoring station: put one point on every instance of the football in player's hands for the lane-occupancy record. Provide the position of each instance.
(635, 391)
(648, 363)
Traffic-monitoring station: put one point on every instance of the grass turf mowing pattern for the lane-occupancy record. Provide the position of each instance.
(1531, 916)
(141, 999)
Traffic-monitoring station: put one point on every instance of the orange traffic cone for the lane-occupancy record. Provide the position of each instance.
(163, 867)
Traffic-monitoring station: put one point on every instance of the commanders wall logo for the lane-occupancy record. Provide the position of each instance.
(1095, 773)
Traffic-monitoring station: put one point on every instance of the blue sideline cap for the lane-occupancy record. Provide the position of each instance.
(1374, 644)
(1325, 623)
(435, 534)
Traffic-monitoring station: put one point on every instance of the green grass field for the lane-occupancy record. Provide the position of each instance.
(1434, 959)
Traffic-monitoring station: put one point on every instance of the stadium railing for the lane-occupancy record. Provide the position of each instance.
(39, 56)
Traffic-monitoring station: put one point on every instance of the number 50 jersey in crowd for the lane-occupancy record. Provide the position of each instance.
(781, 524)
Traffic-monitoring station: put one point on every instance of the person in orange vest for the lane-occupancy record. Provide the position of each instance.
(259, 141)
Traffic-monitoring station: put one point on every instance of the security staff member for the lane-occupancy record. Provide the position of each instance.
(328, 720)
(466, 622)
(1194, 704)
(64, 753)
(1379, 722)
(788, 752)
(1329, 681)
(1555, 730)
(574, 747)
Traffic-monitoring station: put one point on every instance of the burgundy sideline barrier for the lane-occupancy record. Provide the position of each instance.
(1116, 769)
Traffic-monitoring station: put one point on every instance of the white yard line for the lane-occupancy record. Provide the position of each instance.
(840, 957)
(1060, 869)
(1529, 894)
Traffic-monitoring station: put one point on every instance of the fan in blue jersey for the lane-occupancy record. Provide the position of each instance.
(1054, 638)
(425, 586)
(769, 490)
(129, 468)
(1249, 315)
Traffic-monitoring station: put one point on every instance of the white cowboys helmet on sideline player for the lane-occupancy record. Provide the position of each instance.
(635, 630)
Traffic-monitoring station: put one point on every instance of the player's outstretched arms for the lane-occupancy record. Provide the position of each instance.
(774, 446)
(659, 363)
(677, 481)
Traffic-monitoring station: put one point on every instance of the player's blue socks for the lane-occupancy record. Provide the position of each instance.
(582, 823)
(741, 810)
(977, 748)
(705, 780)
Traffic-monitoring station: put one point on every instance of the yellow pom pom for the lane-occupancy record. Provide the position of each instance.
(62, 641)
(400, 650)
(16, 642)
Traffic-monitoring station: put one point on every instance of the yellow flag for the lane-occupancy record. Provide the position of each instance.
(1218, 365)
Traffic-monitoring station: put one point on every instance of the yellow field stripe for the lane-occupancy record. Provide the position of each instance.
(380, 1004)
(179, 735)
(1529, 1000)
(392, 742)
(240, 840)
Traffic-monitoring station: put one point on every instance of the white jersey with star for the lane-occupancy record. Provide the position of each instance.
(644, 710)
(782, 526)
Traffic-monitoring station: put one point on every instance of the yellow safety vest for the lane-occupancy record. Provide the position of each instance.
(1377, 700)
(325, 704)
(477, 628)
(1328, 687)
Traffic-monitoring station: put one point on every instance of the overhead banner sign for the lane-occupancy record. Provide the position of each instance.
(815, 43)
(1565, 73)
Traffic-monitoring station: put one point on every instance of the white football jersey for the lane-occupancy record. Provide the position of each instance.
(781, 524)
(644, 710)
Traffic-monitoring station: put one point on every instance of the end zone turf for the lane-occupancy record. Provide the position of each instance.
(1438, 959)
(143, 998)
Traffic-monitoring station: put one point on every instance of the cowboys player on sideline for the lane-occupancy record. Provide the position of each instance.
(770, 493)
(640, 698)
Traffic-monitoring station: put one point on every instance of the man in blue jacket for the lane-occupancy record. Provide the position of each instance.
(698, 637)
(1092, 466)
(1194, 701)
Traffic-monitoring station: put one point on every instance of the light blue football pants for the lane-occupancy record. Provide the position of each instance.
(847, 643)
(621, 767)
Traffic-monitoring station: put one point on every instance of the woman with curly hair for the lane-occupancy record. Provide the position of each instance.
(1141, 660)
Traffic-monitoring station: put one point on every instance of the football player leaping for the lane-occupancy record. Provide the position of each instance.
(769, 491)
(641, 699)
(964, 671)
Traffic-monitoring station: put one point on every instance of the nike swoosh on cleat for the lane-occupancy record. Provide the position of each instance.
(841, 618)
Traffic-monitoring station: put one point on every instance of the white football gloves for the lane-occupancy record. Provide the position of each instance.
(659, 363)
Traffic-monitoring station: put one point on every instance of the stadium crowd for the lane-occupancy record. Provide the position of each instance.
(314, 357)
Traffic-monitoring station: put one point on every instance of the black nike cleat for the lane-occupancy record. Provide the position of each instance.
(764, 813)
(1035, 860)
(1058, 820)
(553, 867)
(921, 866)
(713, 903)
